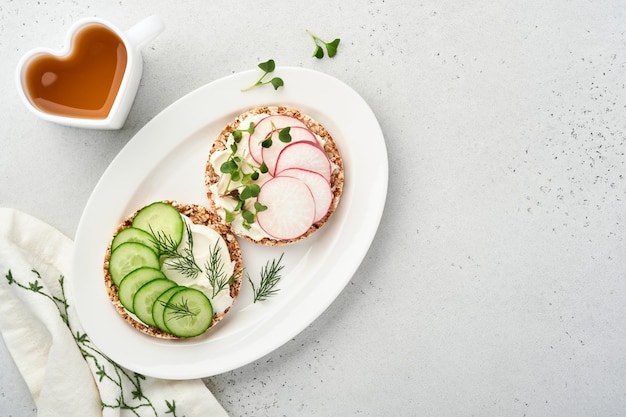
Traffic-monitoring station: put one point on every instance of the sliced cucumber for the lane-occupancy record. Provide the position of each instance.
(133, 281)
(133, 234)
(188, 313)
(160, 219)
(128, 257)
(146, 296)
(158, 308)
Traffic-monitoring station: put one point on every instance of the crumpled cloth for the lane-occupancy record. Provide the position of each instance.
(66, 374)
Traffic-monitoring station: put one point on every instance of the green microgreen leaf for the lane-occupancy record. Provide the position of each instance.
(267, 67)
(259, 207)
(263, 168)
(284, 135)
(331, 47)
(267, 142)
(247, 178)
(248, 216)
(229, 167)
(277, 82)
(319, 52)
(250, 191)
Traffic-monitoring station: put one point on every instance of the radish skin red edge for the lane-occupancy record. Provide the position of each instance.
(264, 127)
(290, 207)
(304, 155)
(320, 189)
(271, 154)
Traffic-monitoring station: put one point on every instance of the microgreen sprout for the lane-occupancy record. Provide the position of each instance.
(244, 174)
(238, 133)
(267, 67)
(331, 47)
(283, 136)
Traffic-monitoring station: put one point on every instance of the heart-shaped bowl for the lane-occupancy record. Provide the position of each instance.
(91, 82)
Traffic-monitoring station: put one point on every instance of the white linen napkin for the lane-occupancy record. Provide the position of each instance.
(66, 374)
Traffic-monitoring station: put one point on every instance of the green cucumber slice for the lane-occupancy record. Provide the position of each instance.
(158, 308)
(160, 219)
(128, 257)
(188, 313)
(146, 296)
(132, 234)
(133, 281)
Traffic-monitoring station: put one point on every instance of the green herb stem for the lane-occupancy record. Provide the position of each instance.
(270, 276)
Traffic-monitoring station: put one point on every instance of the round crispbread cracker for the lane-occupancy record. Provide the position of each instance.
(330, 147)
(198, 215)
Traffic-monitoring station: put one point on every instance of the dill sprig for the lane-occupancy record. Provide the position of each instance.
(270, 275)
(183, 260)
(180, 310)
(214, 271)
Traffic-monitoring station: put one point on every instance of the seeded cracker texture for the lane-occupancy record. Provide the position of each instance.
(198, 215)
(330, 147)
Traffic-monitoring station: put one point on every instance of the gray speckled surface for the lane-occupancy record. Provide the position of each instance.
(496, 283)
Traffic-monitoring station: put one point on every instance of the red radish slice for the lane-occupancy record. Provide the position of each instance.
(304, 155)
(264, 127)
(320, 188)
(290, 208)
(298, 134)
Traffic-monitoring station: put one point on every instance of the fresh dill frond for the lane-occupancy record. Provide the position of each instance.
(214, 271)
(181, 261)
(178, 311)
(270, 275)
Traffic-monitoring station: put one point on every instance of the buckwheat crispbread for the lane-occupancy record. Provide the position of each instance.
(330, 147)
(198, 215)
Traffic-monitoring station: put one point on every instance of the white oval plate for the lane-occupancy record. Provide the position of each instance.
(166, 160)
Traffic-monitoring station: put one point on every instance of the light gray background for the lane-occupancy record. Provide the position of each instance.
(496, 284)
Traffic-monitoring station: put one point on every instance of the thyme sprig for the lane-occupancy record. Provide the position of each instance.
(183, 260)
(270, 276)
(214, 271)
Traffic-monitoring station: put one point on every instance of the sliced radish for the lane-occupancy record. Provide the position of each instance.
(290, 208)
(298, 134)
(304, 155)
(320, 188)
(264, 127)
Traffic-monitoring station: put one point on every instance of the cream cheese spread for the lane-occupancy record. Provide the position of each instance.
(204, 240)
(219, 189)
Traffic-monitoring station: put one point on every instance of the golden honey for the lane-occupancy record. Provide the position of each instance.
(84, 83)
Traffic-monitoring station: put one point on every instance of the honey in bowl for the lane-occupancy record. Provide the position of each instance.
(84, 83)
